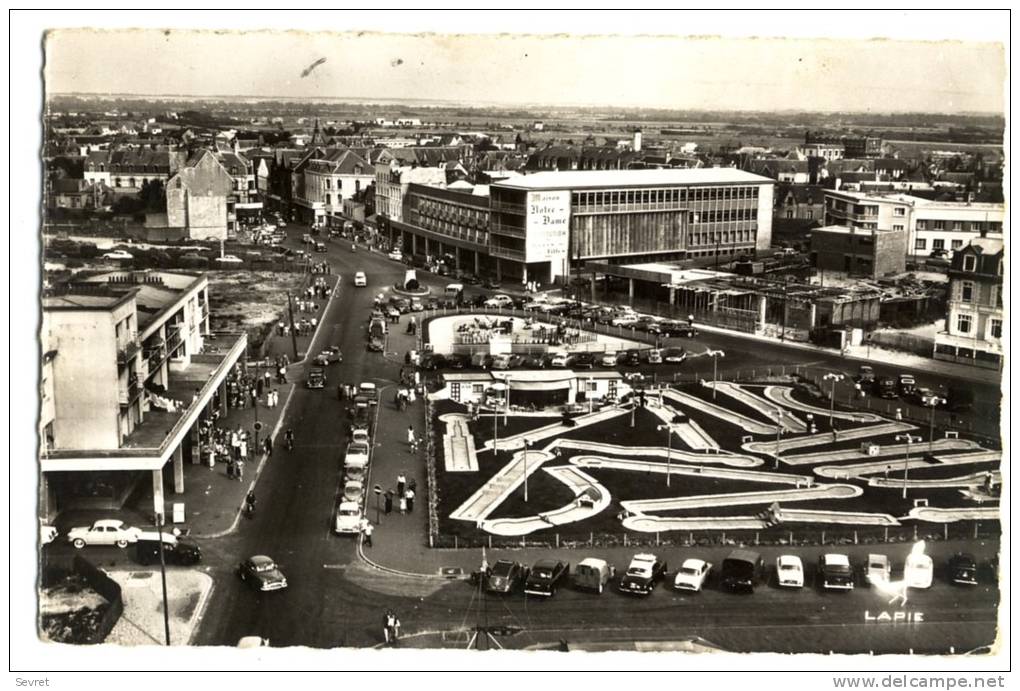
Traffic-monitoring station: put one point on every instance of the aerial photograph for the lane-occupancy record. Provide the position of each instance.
(683, 347)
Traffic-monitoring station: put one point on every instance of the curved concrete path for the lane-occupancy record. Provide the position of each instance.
(788, 421)
(783, 395)
(934, 514)
(580, 482)
(458, 444)
(724, 414)
(885, 450)
(862, 469)
(696, 470)
(723, 458)
(495, 491)
(835, 517)
(516, 441)
(689, 433)
(769, 447)
(743, 498)
(971, 480)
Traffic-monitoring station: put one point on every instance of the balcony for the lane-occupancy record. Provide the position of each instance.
(127, 395)
(506, 253)
(127, 352)
(511, 231)
(508, 208)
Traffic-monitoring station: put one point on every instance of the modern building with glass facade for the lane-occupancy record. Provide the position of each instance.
(545, 223)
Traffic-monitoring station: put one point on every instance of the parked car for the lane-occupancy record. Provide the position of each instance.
(655, 357)
(103, 532)
(500, 301)
(360, 279)
(348, 518)
(593, 574)
(907, 385)
(789, 571)
(516, 360)
(356, 455)
(835, 572)
(582, 361)
(674, 355)
(118, 254)
(316, 378)
(396, 255)
(624, 319)
(262, 573)
(490, 283)
(457, 361)
(416, 305)
(356, 473)
(692, 575)
(431, 362)
(918, 571)
(177, 551)
(545, 576)
(481, 360)
(608, 359)
(642, 575)
(886, 387)
(963, 569)
(865, 374)
(505, 576)
(354, 491)
(501, 361)
(307, 239)
(47, 534)
(559, 359)
(369, 391)
(320, 247)
(742, 570)
(631, 358)
(878, 570)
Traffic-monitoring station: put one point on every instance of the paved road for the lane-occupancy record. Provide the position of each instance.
(334, 599)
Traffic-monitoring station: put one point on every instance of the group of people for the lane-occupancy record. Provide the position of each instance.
(281, 362)
(320, 268)
(218, 444)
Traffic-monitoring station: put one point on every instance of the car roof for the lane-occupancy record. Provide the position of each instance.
(592, 562)
(836, 558)
(546, 563)
(643, 558)
(693, 563)
(789, 559)
(349, 506)
(107, 522)
(260, 559)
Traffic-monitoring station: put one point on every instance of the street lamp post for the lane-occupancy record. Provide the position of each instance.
(669, 448)
(910, 439)
(932, 402)
(497, 387)
(833, 377)
(527, 446)
(715, 355)
(779, 433)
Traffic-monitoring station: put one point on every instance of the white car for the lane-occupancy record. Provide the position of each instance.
(789, 571)
(357, 455)
(501, 361)
(626, 319)
(609, 360)
(917, 572)
(229, 259)
(354, 492)
(118, 254)
(360, 279)
(879, 570)
(560, 359)
(47, 534)
(500, 301)
(692, 575)
(396, 255)
(348, 518)
(655, 357)
(103, 532)
(360, 436)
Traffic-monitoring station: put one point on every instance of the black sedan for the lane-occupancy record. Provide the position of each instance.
(262, 573)
(545, 576)
(504, 576)
(582, 361)
(963, 569)
(644, 572)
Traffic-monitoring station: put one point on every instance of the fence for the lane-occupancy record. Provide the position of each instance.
(918, 345)
(777, 535)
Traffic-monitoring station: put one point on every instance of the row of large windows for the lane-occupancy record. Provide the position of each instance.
(677, 195)
(723, 237)
(726, 215)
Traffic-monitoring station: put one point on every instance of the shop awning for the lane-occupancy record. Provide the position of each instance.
(539, 385)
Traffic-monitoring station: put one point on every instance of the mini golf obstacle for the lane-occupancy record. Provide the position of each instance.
(788, 421)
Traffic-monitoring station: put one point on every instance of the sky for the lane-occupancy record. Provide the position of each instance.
(878, 75)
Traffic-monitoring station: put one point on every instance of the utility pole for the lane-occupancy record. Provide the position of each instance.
(293, 334)
(910, 439)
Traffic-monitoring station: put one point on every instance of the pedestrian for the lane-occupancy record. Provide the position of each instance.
(240, 471)
(401, 483)
(409, 495)
(403, 503)
(366, 530)
(242, 450)
(231, 468)
(388, 502)
(268, 445)
(410, 434)
(212, 456)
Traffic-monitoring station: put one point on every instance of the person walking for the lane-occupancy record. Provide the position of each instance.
(410, 434)
(239, 470)
(388, 502)
(366, 531)
(401, 484)
(242, 450)
(231, 468)
(403, 503)
(212, 456)
(267, 445)
(409, 495)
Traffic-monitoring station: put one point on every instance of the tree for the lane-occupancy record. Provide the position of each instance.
(153, 196)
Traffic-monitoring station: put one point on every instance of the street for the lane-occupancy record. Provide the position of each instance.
(335, 599)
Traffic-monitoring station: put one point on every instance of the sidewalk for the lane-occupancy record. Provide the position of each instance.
(141, 623)
(212, 501)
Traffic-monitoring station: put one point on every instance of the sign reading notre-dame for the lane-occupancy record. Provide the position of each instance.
(548, 226)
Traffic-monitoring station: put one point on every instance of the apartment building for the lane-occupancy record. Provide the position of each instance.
(125, 377)
(930, 226)
(974, 315)
(858, 251)
(328, 177)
